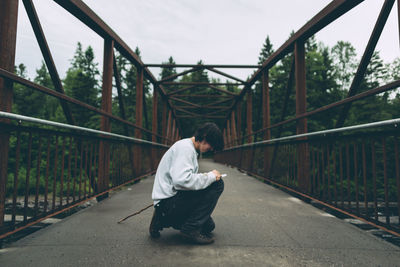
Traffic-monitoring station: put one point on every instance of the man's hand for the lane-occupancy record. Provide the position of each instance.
(217, 174)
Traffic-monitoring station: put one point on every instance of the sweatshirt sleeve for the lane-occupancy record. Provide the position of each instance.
(183, 174)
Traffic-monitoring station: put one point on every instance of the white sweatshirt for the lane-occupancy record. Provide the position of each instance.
(178, 171)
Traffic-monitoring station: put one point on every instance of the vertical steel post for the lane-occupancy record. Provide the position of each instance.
(301, 107)
(168, 127)
(249, 116)
(154, 128)
(8, 35)
(139, 120)
(233, 126)
(164, 121)
(155, 117)
(229, 133)
(106, 105)
(239, 122)
(266, 118)
(139, 102)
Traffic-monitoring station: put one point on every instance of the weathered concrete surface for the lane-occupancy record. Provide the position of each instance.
(257, 225)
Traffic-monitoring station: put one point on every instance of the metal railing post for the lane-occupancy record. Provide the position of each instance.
(8, 35)
(106, 105)
(301, 107)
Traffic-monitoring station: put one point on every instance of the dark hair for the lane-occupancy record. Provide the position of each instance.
(212, 134)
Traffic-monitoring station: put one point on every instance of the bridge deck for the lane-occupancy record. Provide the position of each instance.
(257, 225)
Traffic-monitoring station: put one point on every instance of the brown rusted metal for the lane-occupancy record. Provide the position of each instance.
(62, 171)
(48, 91)
(46, 187)
(27, 177)
(16, 173)
(8, 33)
(239, 123)
(181, 90)
(200, 83)
(70, 152)
(38, 162)
(222, 91)
(40, 37)
(301, 107)
(249, 115)
(168, 133)
(397, 163)
(203, 66)
(225, 74)
(53, 200)
(374, 179)
(330, 13)
(364, 178)
(356, 177)
(385, 181)
(106, 106)
(341, 176)
(366, 58)
(233, 126)
(154, 126)
(172, 77)
(348, 175)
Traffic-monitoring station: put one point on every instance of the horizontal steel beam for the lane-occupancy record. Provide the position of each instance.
(203, 65)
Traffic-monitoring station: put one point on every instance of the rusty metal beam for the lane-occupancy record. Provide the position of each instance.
(223, 91)
(106, 105)
(180, 90)
(225, 74)
(200, 116)
(366, 58)
(139, 101)
(186, 102)
(301, 108)
(207, 96)
(199, 83)
(203, 65)
(87, 16)
(331, 12)
(154, 126)
(41, 39)
(8, 35)
(265, 104)
(218, 102)
(249, 115)
(27, 83)
(179, 74)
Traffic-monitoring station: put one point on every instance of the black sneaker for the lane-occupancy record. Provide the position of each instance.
(197, 238)
(156, 225)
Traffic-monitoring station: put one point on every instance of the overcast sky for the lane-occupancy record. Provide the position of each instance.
(215, 31)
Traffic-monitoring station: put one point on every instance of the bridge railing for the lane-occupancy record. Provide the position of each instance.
(352, 169)
(59, 167)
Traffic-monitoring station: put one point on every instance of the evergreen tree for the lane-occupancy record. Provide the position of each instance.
(344, 62)
(266, 51)
(81, 83)
(27, 101)
(51, 103)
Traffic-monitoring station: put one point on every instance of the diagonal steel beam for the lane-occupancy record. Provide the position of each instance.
(331, 12)
(180, 90)
(41, 39)
(184, 101)
(225, 74)
(366, 58)
(222, 90)
(180, 74)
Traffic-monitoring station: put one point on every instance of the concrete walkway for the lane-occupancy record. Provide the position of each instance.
(257, 225)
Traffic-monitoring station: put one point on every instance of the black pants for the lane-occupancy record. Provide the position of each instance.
(191, 210)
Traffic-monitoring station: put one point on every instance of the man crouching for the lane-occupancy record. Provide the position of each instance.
(183, 198)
